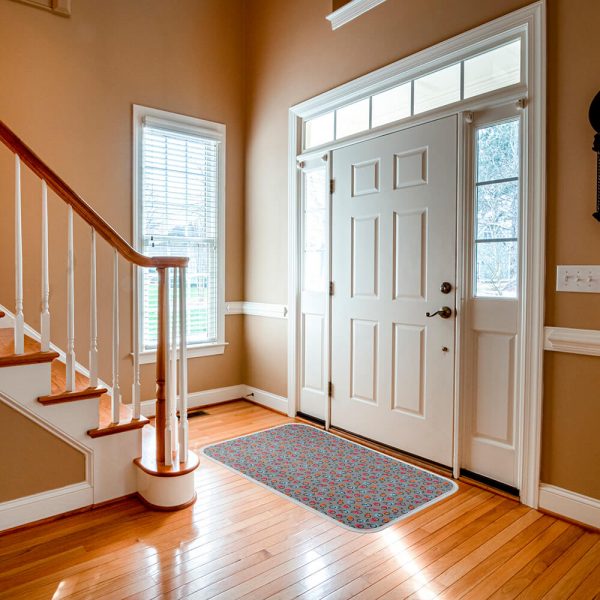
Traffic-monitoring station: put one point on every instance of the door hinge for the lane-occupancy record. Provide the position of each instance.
(330, 389)
(331, 186)
(331, 288)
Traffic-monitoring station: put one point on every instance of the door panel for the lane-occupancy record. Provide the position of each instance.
(490, 434)
(393, 244)
(314, 301)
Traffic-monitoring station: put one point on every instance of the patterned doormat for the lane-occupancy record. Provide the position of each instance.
(359, 488)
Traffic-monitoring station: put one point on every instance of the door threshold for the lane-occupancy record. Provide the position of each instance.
(407, 457)
(310, 419)
(489, 484)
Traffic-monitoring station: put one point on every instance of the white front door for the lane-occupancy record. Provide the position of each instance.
(393, 246)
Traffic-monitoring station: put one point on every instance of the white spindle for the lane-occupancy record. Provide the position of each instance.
(19, 319)
(169, 396)
(93, 315)
(183, 384)
(135, 388)
(173, 364)
(116, 392)
(45, 312)
(70, 306)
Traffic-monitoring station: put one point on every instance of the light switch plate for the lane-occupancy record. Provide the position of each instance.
(578, 278)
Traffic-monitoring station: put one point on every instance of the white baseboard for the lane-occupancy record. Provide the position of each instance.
(258, 309)
(46, 504)
(226, 394)
(267, 399)
(570, 504)
(204, 398)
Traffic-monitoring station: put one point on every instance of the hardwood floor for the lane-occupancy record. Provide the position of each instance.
(242, 541)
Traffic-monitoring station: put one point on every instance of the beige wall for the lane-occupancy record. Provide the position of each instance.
(43, 462)
(294, 55)
(67, 90)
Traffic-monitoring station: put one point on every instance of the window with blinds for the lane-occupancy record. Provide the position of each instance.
(179, 205)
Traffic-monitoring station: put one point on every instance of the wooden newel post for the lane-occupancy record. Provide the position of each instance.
(163, 307)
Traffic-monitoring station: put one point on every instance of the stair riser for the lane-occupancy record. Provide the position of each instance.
(114, 476)
(24, 382)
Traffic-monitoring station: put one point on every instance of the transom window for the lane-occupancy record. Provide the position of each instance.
(484, 72)
(179, 206)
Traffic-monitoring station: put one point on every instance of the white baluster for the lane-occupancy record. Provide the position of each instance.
(116, 392)
(70, 306)
(19, 319)
(93, 315)
(45, 312)
(135, 388)
(173, 364)
(183, 383)
(169, 395)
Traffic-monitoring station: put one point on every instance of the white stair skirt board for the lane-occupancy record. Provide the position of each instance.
(226, 394)
(570, 504)
(46, 504)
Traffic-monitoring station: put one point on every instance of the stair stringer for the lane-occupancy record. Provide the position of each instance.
(112, 472)
(54, 501)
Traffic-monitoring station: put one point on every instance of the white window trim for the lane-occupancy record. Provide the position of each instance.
(530, 20)
(208, 129)
(350, 11)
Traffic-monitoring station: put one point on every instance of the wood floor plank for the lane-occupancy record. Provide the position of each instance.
(241, 540)
(572, 579)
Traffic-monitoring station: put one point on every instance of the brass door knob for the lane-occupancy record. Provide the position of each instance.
(445, 313)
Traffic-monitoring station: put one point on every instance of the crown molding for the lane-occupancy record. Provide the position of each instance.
(59, 7)
(350, 11)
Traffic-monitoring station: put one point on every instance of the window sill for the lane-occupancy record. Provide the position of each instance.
(149, 357)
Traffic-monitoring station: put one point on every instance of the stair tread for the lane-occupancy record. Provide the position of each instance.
(126, 420)
(32, 354)
(80, 394)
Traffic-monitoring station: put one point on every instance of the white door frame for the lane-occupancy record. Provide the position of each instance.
(531, 22)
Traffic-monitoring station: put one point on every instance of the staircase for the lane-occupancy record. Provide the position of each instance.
(125, 454)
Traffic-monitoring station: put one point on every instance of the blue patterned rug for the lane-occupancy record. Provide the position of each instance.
(358, 487)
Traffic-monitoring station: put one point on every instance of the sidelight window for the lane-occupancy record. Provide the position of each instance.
(497, 207)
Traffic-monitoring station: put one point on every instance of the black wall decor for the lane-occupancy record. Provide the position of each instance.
(595, 122)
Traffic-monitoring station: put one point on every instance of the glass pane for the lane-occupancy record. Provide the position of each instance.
(391, 105)
(498, 210)
(497, 267)
(314, 234)
(498, 151)
(437, 89)
(318, 131)
(314, 271)
(495, 69)
(315, 189)
(352, 119)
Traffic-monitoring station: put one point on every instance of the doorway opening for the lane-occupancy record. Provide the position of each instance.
(416, 238)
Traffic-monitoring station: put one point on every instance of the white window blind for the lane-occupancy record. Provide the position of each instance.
(180, 217)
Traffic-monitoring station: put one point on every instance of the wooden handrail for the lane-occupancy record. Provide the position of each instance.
(81, 207)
